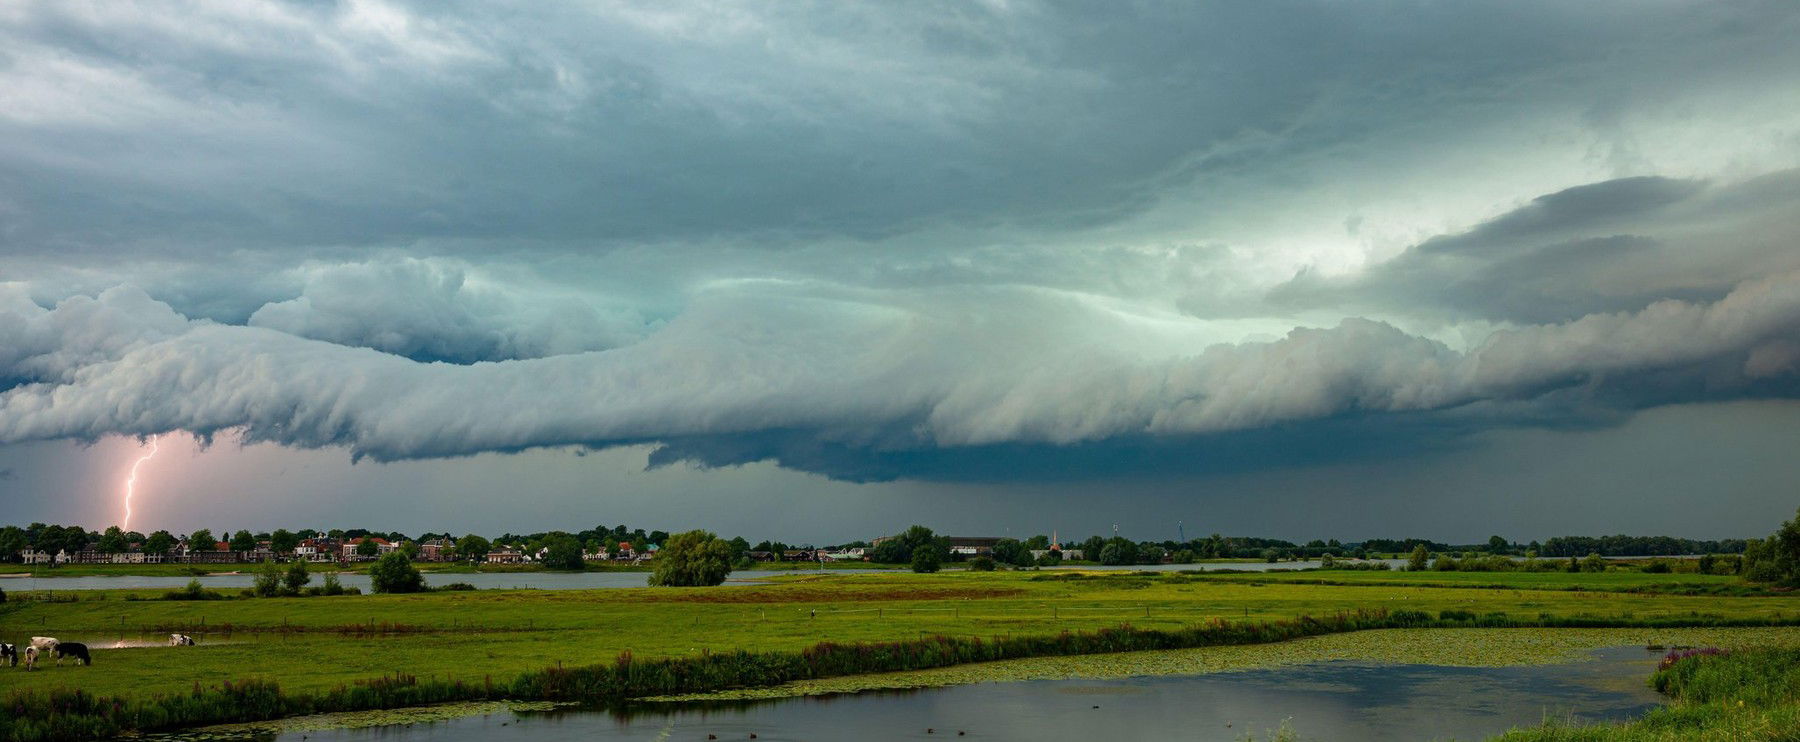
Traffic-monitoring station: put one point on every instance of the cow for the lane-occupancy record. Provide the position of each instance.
(9, 655)
(44, 643)
(181, 640)
(31, 654)
(74, 650)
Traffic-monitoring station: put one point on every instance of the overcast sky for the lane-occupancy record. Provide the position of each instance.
(817, 271)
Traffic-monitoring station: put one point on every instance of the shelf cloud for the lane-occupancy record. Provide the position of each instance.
(985, 241)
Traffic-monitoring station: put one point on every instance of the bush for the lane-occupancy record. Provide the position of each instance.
(268, 581)
(332, 586)
(1594, 563)
(296, 578)
(1656, 566)
(926, 560)
(394, 573)
(1416, 562)
(453, 587)
(193, 591)
(981, 564)
(692, 559)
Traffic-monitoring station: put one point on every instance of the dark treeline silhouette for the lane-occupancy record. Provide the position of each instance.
(71, 539)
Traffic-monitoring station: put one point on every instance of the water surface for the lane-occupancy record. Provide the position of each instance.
(1340, 701)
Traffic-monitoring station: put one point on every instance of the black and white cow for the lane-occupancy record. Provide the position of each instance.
(181, 640)
(73, 650)
(9, 655)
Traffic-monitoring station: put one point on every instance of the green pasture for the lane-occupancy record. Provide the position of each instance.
(321, 642)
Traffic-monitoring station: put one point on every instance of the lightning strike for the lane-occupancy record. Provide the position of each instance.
(131, 483)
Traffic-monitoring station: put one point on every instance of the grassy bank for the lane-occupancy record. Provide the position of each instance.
(80, 715)
(312, 647)
(1750, 694)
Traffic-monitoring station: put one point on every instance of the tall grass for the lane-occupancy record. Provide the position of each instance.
(1751, 694)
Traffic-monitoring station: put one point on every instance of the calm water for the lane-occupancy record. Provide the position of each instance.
(1344, 702)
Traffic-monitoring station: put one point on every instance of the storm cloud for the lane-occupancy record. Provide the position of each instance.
(937, 241)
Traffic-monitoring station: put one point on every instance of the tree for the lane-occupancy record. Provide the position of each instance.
(268, 580)
(739, 547)
(692, 559)
(283, 541)
(1010, 551)
(472, 547)
(368, 548)
(202, 540)
(982, 564)
(1050, 558)
(113, 541)
(563, 552)
(159, 542)
(1091, 548)
(657, 537)
(1593, 563)
(410, 549)
(1039, 542)
(926, 559)
(296, 577)
(1416, 562)
(1498, 545)
(891, 551)
(395, 573)
(243, 541)
(12, 542)
(1151, 554)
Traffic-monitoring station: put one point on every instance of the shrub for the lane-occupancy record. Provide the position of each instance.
(1593, 563)
(1416, 562)
(453, 587)
(332, 586)
(1656, 566)
(981, 564)
(296, 577)
(925, 560)
(394, 573)
(268, 581)
(193, 591)
(692, 559)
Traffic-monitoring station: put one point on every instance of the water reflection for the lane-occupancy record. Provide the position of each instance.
(1333, 701)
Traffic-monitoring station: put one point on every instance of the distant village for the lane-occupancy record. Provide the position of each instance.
(53, 545)
(39, 544)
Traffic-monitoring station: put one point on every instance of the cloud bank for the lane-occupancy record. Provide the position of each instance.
(878, 242)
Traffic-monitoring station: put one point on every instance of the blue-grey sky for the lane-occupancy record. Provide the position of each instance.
(816, 270)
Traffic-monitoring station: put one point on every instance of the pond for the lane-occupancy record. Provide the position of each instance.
(1343, 701)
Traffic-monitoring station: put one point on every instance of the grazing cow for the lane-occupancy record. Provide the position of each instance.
(73, 650)
(31, 654)
(181, 640)
(9, 655)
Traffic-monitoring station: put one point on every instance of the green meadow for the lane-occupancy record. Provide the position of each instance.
(309, 644)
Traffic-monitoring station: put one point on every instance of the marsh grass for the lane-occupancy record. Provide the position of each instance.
(77, 715)
(1746, 694)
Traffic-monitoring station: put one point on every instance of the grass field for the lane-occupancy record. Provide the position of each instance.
(318, 643)
(1599, 581)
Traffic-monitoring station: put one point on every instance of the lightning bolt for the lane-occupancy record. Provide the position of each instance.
(131, 483)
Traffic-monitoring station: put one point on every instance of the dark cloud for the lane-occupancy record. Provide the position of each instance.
(1604, 247)
(929, 241)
